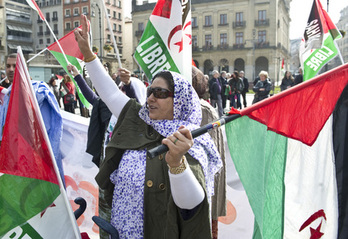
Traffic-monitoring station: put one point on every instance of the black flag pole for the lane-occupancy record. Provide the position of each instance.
(195, 133)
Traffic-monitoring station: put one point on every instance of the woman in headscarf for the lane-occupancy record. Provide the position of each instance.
(164, 197)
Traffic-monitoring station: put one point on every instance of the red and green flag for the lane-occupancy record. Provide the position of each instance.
(166, 43)
(34, 6)
(318, 45)
(73, 55)
(285, 152)
(33, 203)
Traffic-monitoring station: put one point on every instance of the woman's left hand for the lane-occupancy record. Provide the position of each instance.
(178, 143)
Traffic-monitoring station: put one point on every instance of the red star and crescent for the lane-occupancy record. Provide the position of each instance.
(44, 211)
(180, 43)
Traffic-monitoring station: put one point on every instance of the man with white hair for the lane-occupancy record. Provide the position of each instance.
(215, 90)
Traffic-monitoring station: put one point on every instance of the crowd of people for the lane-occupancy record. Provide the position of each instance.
(182, 192)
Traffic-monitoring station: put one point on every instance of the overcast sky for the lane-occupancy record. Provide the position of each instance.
(299, 12)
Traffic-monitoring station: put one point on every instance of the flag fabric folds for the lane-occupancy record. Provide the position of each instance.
(284, 152)
(166, 43)
(73, 54)
(33, 5)
(318, 45)
(33, 203)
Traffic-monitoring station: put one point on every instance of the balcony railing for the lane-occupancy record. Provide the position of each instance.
(240, 24)
(238, 46)
(195, 48)
(207, 48)
(18, 38)
(40, 33)
(19, 19)
(222, 46)
(262, 44)
(139, 33)
(263, 22)
(54, 19)
(209, 25)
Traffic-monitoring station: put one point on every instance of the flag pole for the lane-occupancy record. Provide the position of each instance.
(36, 55)
(112, 34)
(61, 186)
(195, 133)
(55, 38)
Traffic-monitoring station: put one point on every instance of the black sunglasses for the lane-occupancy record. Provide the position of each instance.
(159, 93)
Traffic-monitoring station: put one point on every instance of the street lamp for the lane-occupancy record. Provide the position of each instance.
(100, 29)
(253, 41)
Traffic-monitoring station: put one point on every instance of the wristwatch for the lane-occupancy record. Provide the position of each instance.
(181, 168)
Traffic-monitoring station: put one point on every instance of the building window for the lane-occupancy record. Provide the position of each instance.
(67, 26)
(48, 40)
(119, 16)
(108, 12)
(114, 14)
(239, 17)
(141, 26)
(48, 16)
(55, 16)
(223, 19)
(76, 23)
(114, 3)
(115, 27)
(119, 4)
(119, 28)
(239, 38)
(261, 36)
(194, 41)
(208, 42)
(40, 41)
(85, 10)
(262, 15)
(194, 22)
(108, 38)
(207, 21)
(76, 11)
(55, 28)
(40, 29)
(223, 39)
(67, 12)
(119, 39)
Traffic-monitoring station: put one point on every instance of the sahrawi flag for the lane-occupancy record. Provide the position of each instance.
(74, 56)
(33, 203)
(166, 41)
(285, 149)
(318, 45)
(33, 5)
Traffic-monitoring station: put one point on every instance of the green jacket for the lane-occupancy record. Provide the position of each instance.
(162, 218)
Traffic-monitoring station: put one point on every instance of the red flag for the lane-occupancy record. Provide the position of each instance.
(283, 64)
(24, 150)
(69, 46)
(34, 6)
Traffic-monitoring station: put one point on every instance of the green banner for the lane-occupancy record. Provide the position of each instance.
(152, 54)
(319, 58)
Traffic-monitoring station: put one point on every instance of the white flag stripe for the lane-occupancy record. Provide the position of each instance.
(310, 186)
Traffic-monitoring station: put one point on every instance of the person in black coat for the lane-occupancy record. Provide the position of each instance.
(223, 82)
(287, 81)
(299, 77)
(245, 88)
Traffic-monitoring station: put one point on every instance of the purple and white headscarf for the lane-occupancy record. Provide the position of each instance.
(187, 112)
